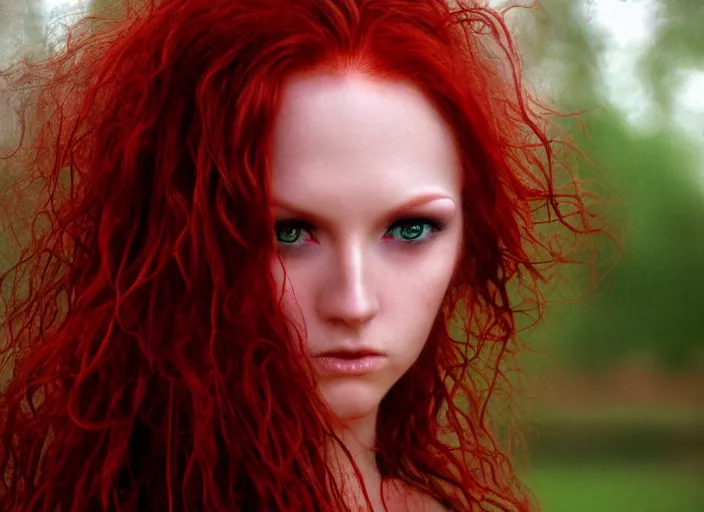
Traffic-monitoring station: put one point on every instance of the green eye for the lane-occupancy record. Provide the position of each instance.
(412, 231)
(292, 232)
(288, 235)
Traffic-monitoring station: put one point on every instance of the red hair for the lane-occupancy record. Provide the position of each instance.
(150, 364)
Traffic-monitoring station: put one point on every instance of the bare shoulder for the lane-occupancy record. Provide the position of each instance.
(424, 503)
(403, 497)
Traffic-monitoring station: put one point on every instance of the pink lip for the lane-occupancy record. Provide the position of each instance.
(347, 363)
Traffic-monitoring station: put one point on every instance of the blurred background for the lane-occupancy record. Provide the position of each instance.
(616, 377)
(614, 381)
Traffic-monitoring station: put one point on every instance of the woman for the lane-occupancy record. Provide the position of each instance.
(270, 260)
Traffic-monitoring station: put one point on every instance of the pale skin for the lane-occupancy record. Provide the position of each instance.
(366, 183)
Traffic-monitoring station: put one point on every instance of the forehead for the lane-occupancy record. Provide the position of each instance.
(350, 139)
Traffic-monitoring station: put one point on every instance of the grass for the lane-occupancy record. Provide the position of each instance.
(617, 487)
(651, 415)
(634, 459)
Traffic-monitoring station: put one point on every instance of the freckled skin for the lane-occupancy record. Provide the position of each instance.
(348, 152)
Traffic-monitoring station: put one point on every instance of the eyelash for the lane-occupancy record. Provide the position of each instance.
(430, 229)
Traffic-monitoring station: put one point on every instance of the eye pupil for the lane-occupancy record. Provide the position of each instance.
(411, 231)
(288, 235)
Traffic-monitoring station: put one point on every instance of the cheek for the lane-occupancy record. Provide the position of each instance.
(420, 284)
(415, 295)
(291, 302)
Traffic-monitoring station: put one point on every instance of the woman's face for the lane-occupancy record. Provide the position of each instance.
(366, 191)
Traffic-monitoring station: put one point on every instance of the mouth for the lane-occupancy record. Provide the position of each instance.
(349, 362)
(349, 354)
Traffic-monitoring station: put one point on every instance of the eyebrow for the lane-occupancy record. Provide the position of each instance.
(407, 205)
(420, 201)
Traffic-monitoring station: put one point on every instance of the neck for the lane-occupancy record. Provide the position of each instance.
(359, 437)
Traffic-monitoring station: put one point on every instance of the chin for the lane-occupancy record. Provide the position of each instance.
(351, 400)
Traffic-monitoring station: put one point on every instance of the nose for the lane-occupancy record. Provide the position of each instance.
(348, 297)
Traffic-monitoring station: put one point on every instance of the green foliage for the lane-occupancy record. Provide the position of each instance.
(649, 299)
(616, 488)
(678, 44)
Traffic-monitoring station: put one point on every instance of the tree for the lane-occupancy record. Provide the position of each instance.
(651, 301)
(678, 44)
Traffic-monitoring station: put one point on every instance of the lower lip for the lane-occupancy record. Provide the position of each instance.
(332, 365)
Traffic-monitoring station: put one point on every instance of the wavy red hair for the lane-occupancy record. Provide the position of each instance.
(148, 364)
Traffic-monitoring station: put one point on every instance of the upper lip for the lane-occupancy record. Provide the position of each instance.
(350, 353)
